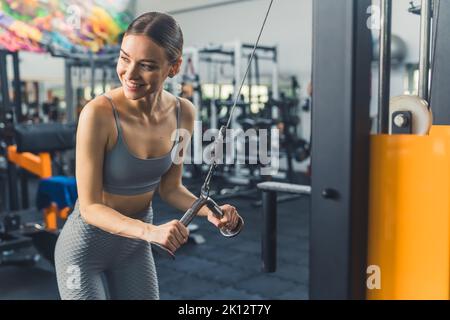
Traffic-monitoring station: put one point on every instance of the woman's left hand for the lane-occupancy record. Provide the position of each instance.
(229, 220)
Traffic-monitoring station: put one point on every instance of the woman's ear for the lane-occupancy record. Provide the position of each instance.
(175, 68)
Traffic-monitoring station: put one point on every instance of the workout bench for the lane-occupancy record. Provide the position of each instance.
(269, 230)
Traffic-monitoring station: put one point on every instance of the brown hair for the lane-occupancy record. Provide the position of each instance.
(162, 29)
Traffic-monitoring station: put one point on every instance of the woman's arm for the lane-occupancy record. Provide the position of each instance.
(171, 188)
(174, 193)
(92, 137)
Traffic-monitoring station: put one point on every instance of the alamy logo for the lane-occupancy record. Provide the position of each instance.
(74, 16)
(374, 278)
(374, 21)
(73, 281)
(254, 147)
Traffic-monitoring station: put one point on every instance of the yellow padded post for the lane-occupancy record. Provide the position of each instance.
(409, 209)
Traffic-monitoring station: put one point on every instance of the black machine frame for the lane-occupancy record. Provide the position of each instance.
(6, 104)
(93, 63)
(342, 49)
(10, 111)
(440, 77)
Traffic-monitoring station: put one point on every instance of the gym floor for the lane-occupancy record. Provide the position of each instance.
(219, 268)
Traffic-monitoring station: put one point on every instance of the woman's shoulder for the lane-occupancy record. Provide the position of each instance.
(98, 110)
(187, 111)
(187, 108)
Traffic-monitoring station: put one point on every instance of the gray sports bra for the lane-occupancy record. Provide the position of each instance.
(124, 173)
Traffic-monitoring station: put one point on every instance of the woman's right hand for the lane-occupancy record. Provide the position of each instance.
(171, 235)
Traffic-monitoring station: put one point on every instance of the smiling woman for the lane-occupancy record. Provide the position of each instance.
(162, 35)
(124, 153)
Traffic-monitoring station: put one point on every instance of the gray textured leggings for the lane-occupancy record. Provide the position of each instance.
(94, 264)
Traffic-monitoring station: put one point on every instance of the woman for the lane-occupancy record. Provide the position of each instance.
(124, 154)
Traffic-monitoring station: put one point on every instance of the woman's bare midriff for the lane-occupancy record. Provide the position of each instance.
(128, 205)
